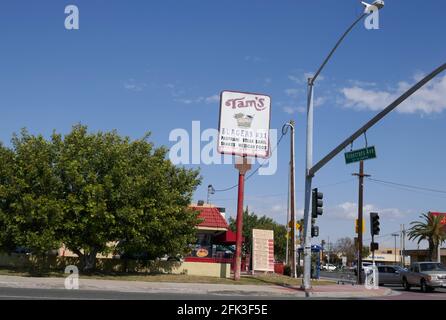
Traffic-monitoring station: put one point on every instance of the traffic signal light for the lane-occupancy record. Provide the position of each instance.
(374, 246)
(374, 223)
(317, 204)
(314, 231)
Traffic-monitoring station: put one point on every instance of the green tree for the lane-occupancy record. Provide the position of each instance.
(91, 190)
(30, 210)
(252, 221)
(345, 247)
(429, 229)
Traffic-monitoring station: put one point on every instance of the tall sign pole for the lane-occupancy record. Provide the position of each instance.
(243, 130)
(242, 166)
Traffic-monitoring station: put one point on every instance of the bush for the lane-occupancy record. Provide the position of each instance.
(299, 271)
(287, 270)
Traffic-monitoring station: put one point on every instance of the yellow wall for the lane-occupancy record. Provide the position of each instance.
(219, 270)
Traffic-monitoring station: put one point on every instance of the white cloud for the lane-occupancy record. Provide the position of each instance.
(296, 79)
(211, 99)
(132, 85)
(292, 92)
(278, 208)
(303, 79)
(319, 101)
(253, 59)
(359, 83)
(293, 110)
(428, 100)
(207, 100)
(349, 211)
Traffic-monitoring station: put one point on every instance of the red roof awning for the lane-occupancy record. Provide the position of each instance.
(211, 217)
(227, 238)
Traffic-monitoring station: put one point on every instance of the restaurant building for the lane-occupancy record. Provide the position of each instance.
(215, 241)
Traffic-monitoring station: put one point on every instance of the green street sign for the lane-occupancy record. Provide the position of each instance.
(359, 155)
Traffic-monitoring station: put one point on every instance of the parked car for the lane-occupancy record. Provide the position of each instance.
(328, 267)
(426, 275)
(389, 274)
(364, 264)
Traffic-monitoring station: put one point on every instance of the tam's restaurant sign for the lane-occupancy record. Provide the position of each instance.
(244, 124)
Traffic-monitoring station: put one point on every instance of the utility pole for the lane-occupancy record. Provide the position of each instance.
(361, 176)
(293, 204)
(328, 250)
(395, 235)
(404, 246)
(401, 246)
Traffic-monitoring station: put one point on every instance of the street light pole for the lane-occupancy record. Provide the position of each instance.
(309, 161)
(287, 260)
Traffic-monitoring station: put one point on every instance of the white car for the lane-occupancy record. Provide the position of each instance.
(329, 267)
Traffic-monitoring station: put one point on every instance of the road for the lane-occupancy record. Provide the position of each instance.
(399, 292)
(414, 294)
(61, 294)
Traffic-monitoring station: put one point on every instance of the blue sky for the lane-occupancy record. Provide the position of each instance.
(139, 66)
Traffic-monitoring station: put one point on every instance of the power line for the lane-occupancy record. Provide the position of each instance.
(382, 236)
(277, 195)
(413, 190)
(408, 186)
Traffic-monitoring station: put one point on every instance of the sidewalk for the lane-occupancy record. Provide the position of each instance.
(273, 291)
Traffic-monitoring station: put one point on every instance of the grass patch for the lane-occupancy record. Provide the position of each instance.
(260, 279)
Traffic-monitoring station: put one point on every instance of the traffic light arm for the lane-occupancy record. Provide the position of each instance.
(374, 120)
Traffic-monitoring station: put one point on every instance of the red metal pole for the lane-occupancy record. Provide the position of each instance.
(242, 168)
(239, 223)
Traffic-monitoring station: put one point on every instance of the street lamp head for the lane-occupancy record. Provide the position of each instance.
(377, 4)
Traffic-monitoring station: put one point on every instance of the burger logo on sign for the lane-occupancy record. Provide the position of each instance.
(201, 253)
(243, 121)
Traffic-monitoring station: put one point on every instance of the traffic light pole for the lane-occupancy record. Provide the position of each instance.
(312, 170)
(306, 283)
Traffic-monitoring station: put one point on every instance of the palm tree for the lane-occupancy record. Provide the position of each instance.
(431, 230)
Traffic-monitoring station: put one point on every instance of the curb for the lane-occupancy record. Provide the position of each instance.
(221, 290)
